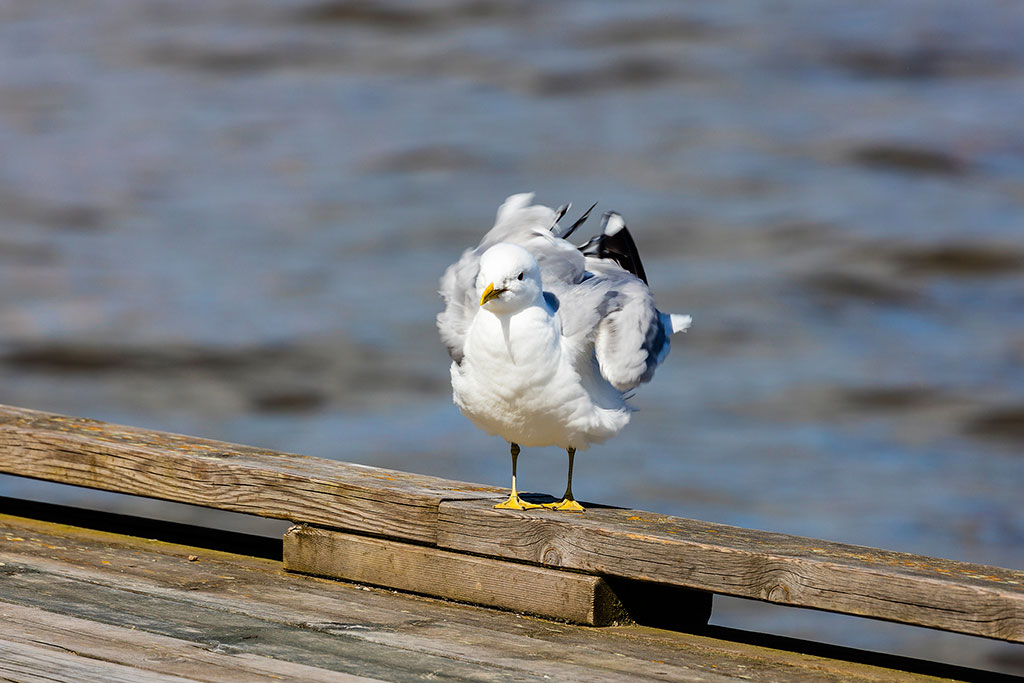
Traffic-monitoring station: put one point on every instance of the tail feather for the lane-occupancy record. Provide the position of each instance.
(678, 323)
(564, 234)
(559, 213)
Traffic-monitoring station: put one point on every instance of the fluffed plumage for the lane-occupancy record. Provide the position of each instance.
(551, 366)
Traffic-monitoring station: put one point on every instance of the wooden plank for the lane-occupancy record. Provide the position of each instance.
(408, 646)
(568, 596)
(146, 654)
(247, 605)
(224, 627)
(790, 570)
(32, 664)
(226, 476)
(456, 516)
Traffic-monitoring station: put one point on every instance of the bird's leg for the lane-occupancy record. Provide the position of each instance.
(568, 503)
(514, 502)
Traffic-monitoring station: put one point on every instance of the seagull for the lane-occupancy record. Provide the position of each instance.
(548, 339)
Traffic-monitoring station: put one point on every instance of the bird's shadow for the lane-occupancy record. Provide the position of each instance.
(543, 498)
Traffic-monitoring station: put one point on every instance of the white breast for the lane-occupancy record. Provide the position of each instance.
(518, 381)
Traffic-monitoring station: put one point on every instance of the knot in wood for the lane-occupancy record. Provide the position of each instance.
(552, 556)
(778, 593)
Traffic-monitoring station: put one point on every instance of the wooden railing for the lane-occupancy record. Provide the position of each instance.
(442, 537)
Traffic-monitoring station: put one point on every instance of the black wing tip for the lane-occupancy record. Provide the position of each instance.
(617, 244)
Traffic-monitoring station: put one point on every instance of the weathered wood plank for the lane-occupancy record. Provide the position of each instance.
(527, 588)
(568, 596)
(406, 648)
(32, 664)
(953, 596)
(145, 653)
(177, 614)
(247, 605)
(456, 516)
(226, 476)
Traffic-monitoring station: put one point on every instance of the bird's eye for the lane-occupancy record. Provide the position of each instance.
(519, 277)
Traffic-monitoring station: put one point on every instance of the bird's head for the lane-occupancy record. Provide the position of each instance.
(509, 279)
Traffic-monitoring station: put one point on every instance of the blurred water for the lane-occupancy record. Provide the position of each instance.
(228, 219)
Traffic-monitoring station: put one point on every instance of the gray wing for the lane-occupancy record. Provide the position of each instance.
(518, 222)
(614, 310)
(598, 302)
(457, 290)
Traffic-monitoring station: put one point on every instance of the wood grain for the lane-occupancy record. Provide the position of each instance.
(38, 635)
(457, 516)
(24, 662)
(242, 607)
(567, 596)
(790, 570)
(225, 476)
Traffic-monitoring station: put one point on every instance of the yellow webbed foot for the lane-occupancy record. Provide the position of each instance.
(514, 502)
(566, 505)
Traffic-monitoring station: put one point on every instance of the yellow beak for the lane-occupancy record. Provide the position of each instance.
(490, 293)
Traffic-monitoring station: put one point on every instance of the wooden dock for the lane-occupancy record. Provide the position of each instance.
(516, 595)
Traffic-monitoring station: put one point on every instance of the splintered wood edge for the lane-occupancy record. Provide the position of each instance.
(567, 596)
